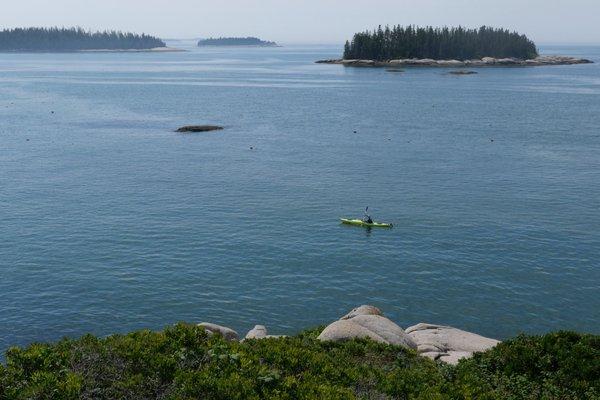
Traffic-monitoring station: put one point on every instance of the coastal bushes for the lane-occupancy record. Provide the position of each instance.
(73, 39)
(438, 43)
(183, 362)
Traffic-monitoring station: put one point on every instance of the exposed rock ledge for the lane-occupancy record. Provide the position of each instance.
(199, 128)
(442, 343)
(484, 62)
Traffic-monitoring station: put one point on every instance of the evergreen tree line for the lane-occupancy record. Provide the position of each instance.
(438, 43)
(235, 41)
(72, 39)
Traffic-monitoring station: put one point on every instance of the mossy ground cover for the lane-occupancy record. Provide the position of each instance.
(183, 362)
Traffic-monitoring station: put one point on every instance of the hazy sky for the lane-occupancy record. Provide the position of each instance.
(308, 21)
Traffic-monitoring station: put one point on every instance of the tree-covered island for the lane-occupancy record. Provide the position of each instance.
(74, 39)
(236, 41)
(439, 44)
(445, 47)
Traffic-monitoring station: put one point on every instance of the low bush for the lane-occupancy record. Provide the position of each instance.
(183, 362)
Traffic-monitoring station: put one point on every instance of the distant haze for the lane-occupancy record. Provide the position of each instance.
(309, 21)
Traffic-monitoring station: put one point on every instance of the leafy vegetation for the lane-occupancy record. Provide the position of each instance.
(73, 39)
(438, 44)
(232, 41)
(183, 362)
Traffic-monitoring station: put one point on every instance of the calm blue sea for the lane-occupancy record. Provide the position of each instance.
(111, 222)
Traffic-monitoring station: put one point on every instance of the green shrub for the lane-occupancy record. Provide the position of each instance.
(562, 365)
(183, 362)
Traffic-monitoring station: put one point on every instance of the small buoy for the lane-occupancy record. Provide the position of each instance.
(491, 140)
(251, 148)
(355, 132)
(52, 112)
(27, 140)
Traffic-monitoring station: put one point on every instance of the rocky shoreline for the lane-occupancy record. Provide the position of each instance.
(437, 342)
(484, 62)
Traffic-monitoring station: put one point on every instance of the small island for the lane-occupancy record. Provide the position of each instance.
(199, 128)
(445, 47)
(236, 42)
(75, 39)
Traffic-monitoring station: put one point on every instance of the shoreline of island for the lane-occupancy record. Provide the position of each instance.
(549, 60)
(152, 50)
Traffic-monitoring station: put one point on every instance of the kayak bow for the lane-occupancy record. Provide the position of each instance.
(360, 222)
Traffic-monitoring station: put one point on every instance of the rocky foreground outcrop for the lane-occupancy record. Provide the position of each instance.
(227, 333)
(484, 62)
(437, 342)
(260, 332)
(447, 344)
(367, 322)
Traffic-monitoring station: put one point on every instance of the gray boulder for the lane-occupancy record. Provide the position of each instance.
(362, 310)
(227, 333)
(447, 344)
(258, 332)
(367, 322)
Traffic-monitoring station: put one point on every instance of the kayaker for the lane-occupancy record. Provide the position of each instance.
(367, 218)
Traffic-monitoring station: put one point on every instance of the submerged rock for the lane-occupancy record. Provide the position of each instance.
(367, 322)
(227, 333)
(199, 128)
(462, 72)
(446, 343)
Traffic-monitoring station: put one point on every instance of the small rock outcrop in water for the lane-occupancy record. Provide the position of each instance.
(447, 344)
(227, 333)
(367, 322)
(199, 128)
(484, 62)
(462, 72)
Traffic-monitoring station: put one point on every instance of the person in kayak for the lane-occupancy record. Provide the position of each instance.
(367, 218)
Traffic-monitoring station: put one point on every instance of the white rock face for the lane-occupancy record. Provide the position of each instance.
(447, 344)
(367, 322)
(227, 333)
(258, 332)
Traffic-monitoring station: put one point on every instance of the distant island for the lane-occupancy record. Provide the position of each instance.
(74, 39)
(447, 47)
(439, 44)
(235, 41)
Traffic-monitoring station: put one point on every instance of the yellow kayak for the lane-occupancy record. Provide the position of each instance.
(360, 222)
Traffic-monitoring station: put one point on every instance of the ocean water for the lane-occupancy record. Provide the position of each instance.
(111, 222)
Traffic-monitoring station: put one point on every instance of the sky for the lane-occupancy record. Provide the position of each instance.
(308, 21)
